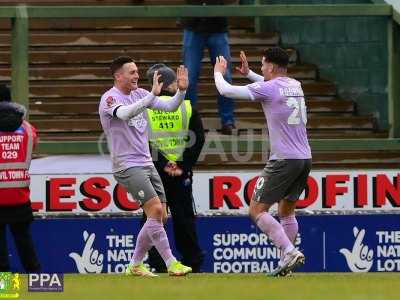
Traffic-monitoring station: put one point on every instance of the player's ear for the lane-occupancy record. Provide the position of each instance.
(117, 75)
(273, 68)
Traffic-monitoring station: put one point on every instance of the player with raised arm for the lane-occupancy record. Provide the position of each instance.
(285, 175)
(124, 121)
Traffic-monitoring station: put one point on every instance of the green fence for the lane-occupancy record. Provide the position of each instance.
(20, 42)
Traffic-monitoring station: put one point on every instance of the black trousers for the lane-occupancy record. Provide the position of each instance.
(180, 202)
(24, 244)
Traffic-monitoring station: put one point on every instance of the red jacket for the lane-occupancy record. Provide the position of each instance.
(15, 157)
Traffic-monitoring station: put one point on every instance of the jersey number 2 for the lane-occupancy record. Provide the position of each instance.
(299, 110)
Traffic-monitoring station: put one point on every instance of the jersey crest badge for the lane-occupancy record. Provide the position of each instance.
(110, 101)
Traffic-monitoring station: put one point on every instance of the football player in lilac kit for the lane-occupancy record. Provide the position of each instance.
(124, 121)
(285, 175)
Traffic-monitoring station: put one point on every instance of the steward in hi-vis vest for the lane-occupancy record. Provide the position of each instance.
(17, 140)
(176, 140)
(169, 131)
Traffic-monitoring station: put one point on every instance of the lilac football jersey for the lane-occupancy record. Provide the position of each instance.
(127, 140)
(282, 99)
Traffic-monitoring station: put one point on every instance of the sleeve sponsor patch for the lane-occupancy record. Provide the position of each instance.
(110, 101)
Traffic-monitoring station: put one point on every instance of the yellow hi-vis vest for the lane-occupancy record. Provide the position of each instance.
(169, 130)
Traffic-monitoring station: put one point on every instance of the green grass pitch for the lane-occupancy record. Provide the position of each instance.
(310, 286)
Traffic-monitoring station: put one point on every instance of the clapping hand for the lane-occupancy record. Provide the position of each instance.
(244, 68)
(157, 86)
(220, 65)
(182, 78)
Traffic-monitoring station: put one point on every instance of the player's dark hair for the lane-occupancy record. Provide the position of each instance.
(117, 63)
(277, 55)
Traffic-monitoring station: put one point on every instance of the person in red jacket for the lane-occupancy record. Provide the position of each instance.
(17, 140)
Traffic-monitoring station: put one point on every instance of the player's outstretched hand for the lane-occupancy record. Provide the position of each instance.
(220, 65)
(244, 67)
(156, 88)
(182, 78)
